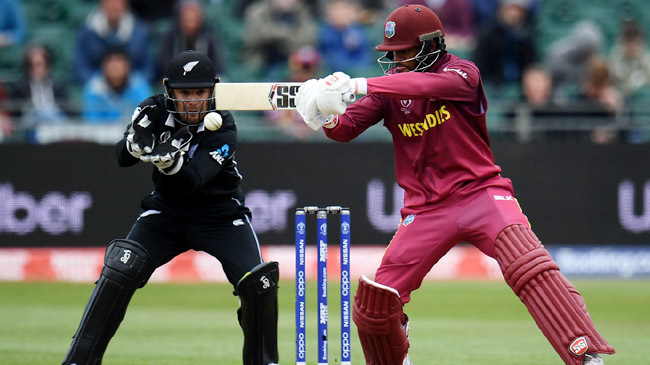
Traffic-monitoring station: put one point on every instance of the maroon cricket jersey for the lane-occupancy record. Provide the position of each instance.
(437, 120)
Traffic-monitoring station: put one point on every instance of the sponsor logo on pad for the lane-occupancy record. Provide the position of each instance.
(579, 346)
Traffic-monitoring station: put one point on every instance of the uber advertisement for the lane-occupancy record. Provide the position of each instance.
(74, 194)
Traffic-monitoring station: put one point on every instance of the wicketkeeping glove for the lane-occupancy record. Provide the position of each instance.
(140, 138)
(168, 156)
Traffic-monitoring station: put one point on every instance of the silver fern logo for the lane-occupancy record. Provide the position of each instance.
(189, 66)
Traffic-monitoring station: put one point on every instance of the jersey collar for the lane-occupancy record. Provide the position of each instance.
(170, 122)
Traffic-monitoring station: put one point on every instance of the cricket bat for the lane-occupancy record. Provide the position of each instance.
(260, 95)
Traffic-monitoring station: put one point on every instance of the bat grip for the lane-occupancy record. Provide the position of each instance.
(348, 97)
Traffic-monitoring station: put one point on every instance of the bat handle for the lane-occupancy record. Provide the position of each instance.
(348, 97)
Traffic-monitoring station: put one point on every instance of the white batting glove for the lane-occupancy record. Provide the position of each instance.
(343, 84)
(306, 103)
(330, 102)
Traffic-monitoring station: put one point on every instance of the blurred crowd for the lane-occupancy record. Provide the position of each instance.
(551, 69)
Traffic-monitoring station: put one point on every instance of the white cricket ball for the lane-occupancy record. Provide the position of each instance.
(212, 121)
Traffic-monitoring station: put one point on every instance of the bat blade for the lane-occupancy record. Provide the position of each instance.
(256, 95)
(260, 95)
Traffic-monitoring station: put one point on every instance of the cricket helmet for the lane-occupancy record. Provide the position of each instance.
(412, 26)
(189, 70)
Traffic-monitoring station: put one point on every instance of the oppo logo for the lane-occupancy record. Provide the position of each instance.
(55, 213)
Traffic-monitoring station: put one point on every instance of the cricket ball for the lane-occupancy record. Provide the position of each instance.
(212, 121)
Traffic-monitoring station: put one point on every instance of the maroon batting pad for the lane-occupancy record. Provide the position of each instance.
(377, 313)
(556, 306)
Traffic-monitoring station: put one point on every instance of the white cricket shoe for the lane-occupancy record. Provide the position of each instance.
(407, 361)
(593, 359)
(407, 329)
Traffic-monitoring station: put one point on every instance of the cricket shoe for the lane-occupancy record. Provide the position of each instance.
(593, 359)
(407, 361)
(407, 328)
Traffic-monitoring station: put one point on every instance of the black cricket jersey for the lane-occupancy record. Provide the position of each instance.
(208, 183)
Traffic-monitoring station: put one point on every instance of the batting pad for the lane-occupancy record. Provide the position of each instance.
(377, 312)
(556, 306)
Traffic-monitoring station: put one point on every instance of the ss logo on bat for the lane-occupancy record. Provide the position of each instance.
(285, 96)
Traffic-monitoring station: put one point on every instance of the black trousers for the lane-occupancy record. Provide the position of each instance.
(230, 239)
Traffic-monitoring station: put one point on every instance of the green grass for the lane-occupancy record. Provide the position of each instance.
(453, 322)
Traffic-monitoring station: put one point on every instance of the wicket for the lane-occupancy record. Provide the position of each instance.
(301, 325)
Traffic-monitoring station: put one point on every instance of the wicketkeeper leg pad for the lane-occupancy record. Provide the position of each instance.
(377, 312)
(258, 314)
(127, 267)
(556, 306)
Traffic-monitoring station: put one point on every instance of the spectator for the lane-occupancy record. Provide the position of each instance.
(111, 24)
(541, 115)
(630, 60)
(506, 47)
(598, 89)
(274, 29)
(6, 125)
(371, 10)
(112, 95)
(38, 98)
(304, 64)
(602, 102)
(241, 7)
(537, 86)
(342, 41)
(12, 23)
(486, 10)
(151, 11)
(458, 16)
(586, 117)
(568, 58)
(190, 32)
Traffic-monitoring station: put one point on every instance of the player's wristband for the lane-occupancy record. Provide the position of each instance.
(359, 85)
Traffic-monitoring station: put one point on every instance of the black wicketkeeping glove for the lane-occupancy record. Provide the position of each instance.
(140, 139)
(168, 156)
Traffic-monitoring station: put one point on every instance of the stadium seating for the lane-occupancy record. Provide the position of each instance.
(56, 22)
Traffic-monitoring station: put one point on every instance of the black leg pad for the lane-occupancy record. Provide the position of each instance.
(127, 267)
(258, 314)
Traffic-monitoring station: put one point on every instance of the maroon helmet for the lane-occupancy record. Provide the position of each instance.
(412, 26)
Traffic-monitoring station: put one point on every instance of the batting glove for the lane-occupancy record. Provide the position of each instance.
(140, 138)
(168, 156)
(329, 102)
(343, 84)
(306, 102)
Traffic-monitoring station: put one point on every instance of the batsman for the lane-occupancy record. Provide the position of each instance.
(434, 106)
(196, 204)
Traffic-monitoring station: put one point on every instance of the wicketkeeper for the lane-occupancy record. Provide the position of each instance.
(197, 204)
(433, 104)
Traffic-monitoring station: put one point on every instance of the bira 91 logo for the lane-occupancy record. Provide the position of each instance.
(579, 346)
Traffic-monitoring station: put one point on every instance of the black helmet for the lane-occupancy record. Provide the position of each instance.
(189, 70)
